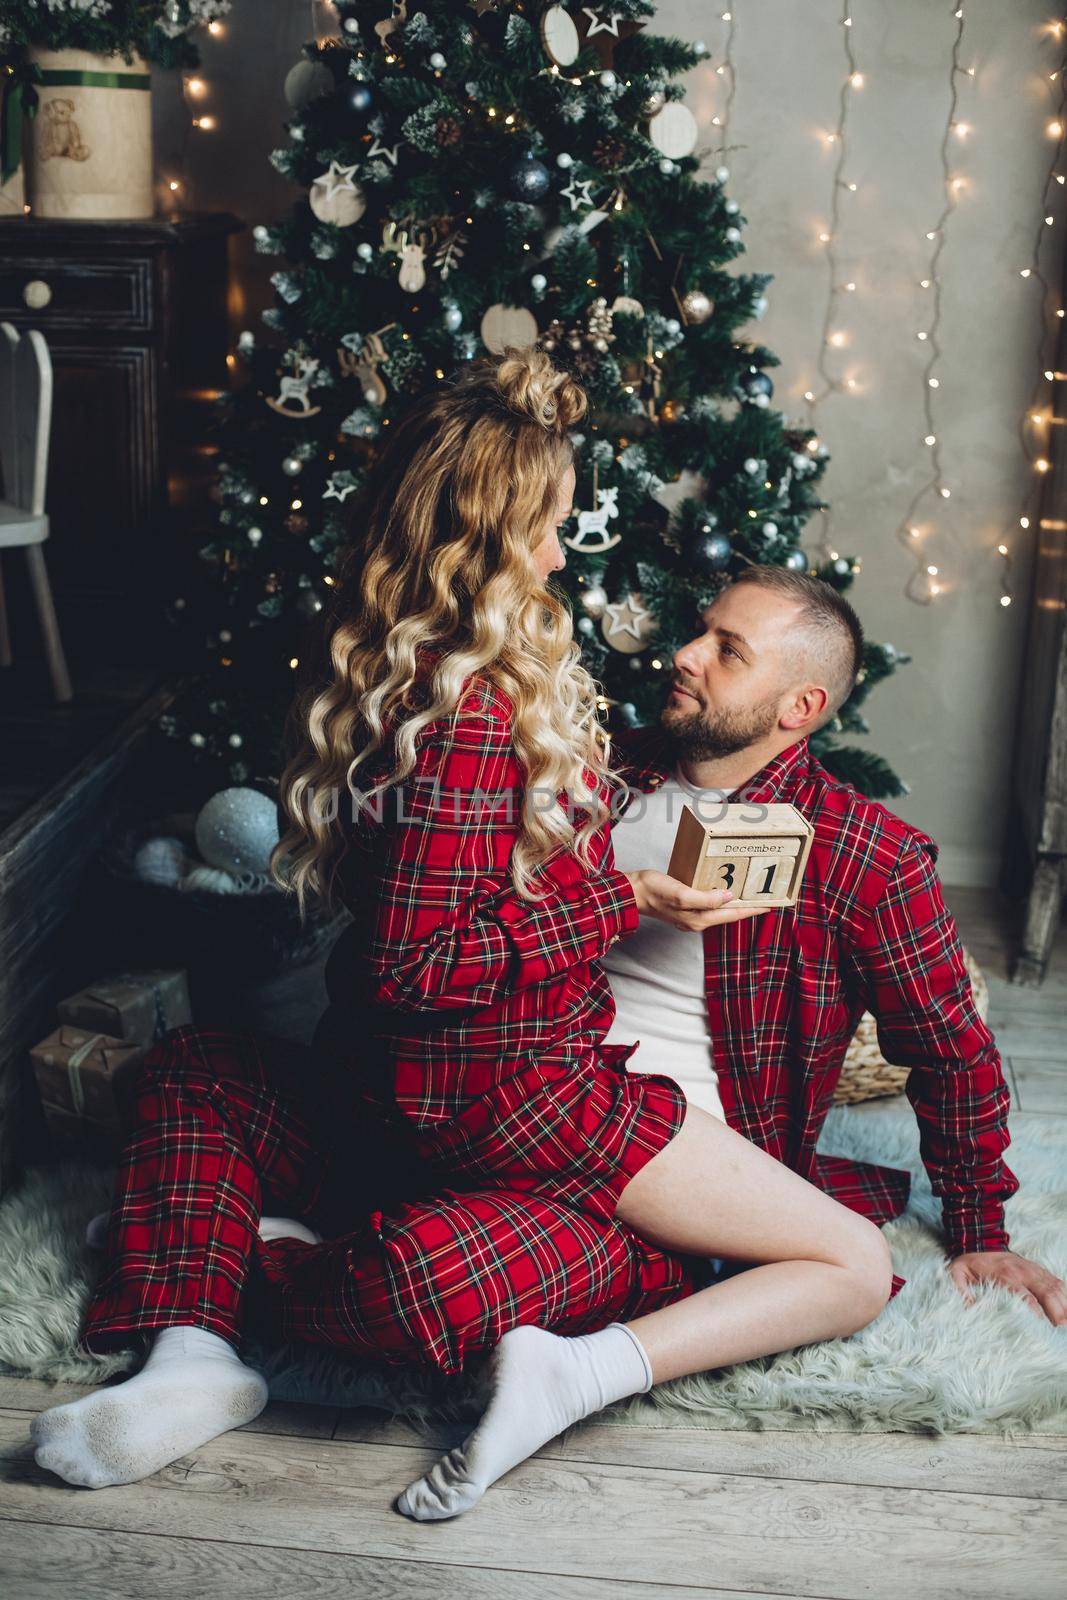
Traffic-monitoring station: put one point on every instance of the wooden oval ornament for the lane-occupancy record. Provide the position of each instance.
(674, 130)
(508, 325)
(559, 36)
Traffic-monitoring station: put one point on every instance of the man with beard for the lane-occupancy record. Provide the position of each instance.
(754, 1020)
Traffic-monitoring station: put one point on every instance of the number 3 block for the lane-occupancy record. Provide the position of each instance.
(758, 851)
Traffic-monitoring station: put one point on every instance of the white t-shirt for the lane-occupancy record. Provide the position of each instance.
(657, 972)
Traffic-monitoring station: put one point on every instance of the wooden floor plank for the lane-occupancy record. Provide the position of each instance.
(671, 1528)
(39, 1562)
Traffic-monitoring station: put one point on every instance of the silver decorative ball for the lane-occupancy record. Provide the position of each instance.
(732, 207)
(365, 251)
(586, 625)
(751, 465)
(197, 740)
(438, 62)
(608, 80)
(666, 166)
(564, 160)
(292, 466)
(653, 102)
(254, 535)
(770, 529)
(594, 599)
(235, 741)
(538, 283)
(453, 319)
(797, 561)
(237, 830)
(734, 235)
(722, 173)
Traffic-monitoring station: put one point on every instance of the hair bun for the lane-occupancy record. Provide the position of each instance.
(532, 386)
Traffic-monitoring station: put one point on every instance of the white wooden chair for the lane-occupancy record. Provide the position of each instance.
(25, 424)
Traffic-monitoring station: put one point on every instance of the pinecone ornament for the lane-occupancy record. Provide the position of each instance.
(609, 151)
(447, 132)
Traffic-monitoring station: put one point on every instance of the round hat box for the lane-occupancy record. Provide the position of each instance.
(89, 148)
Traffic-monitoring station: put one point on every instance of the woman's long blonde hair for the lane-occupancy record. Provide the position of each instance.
(442, 556)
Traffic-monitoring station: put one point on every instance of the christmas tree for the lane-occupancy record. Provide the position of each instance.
(483, 174)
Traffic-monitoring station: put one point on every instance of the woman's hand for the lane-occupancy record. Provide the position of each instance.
(692, 910)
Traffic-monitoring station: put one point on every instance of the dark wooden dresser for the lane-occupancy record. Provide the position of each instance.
(135, 315)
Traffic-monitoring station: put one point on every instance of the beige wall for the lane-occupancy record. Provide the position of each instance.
(946, 720)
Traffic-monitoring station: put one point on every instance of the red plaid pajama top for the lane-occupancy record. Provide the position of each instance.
(785, 991)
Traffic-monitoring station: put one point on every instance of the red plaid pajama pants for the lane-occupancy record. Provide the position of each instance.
(435, 1244)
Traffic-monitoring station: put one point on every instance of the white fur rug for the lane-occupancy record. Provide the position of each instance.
(928, 1364)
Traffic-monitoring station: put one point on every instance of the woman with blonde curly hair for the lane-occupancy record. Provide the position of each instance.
(492, 1180)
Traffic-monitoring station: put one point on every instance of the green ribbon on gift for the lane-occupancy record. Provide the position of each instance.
(54, 78)
(13, 108)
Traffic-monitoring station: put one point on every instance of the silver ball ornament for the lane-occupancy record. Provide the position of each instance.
(453, 319)
(594, 599)
(254, 535)
(586, 626)
(438, 62)
(608, 80)
(797, 561)
(734, 235)
(538, 283)
(769, 529)
(751, 466)
(722, 173)
(292, 466)
(563, 160)
(365, 251)
(697, 306)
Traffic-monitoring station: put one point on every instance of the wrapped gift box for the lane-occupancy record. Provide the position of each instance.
(135, 1006)
(84, 1079)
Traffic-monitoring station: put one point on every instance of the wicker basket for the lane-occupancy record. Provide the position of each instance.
(866, 1075)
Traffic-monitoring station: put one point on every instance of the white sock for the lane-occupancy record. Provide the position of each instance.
(287, 1228)
(192, 1387)
(540, 1383)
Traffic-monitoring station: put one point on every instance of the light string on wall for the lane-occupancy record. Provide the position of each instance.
(1038, 417)
(196, 96)
(927, 579)
(831, 337)
(726, 69)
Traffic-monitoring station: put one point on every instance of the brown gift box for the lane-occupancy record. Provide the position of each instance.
(136, 1006)
(83, 1079)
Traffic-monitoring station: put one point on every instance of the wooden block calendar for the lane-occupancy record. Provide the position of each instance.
(757, 851)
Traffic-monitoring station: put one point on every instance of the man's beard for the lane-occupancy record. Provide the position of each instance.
(700, 736)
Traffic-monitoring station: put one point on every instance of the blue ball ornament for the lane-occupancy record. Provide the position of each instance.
(796, 561)
(711, 552)
(753, 384)
(529, 178)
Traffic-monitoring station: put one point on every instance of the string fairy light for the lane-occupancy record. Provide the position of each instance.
(927, 580)
(196, 96)
(726, 69)
(831, 338)
(1037, 418)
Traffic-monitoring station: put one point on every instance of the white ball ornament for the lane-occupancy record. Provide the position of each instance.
(564, 160)
(197, 740)
(608, 80)
(237, 830)
(254, 535)
(235, 741)
(751, 465)
(438, 62)
(292, 466)
(538, 283)
(732, 207)
(365, 251)
(667, 167)
(594, 599)
(733, 234)
(722, 173)
(586, 626)
(161, 861)
(453, 319)
(770, 529)
(799, 462)
(260, 234)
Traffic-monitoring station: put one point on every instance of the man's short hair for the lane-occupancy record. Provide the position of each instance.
(832, 627)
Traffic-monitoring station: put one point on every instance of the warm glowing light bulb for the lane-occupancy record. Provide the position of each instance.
(195, 85)
(1024, 522)
(850, 287)
(852, 187)
(856, 80)
(924, 283)
(932, 234)
(946, 494)
(1024, 272)
(1054, 130)
(1005, 599)
(935, 383)
(931, 438)
(808, 395)
(921, 335)
(824, 238)
(837, 338)
(1041, 465)
(174, 185)
(932, 571)
(962, 129)
(1002, 549)
(914, 532)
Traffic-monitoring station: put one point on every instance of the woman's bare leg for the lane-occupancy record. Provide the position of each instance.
(826, 1271)
(821, 1271)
